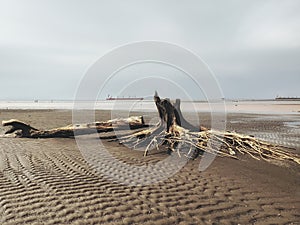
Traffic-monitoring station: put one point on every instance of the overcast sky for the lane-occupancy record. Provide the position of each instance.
(253, 47)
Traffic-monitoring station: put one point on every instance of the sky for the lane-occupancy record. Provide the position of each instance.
(46, 47)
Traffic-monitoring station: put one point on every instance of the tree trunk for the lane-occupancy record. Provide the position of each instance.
(25, 130)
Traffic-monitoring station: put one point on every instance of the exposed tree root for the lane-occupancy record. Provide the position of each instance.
(179, 136)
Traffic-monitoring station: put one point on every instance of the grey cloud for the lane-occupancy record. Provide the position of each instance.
(46, 47)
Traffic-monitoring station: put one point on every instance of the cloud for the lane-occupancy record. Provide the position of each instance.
(243, 42)
(271, 26)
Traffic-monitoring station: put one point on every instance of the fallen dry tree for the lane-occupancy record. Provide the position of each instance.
(22, 129)
(172, 132)
(177, 135)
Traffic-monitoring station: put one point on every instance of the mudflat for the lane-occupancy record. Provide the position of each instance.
(48, 181)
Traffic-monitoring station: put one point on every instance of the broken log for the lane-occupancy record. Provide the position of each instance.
(25, 130)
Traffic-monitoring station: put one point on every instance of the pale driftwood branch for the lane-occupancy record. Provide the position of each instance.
(25, 130)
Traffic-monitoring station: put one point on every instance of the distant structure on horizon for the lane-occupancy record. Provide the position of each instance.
(123, 98)
(288, 98)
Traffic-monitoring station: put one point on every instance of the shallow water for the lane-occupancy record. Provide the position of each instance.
(259, 107)
(281, 129)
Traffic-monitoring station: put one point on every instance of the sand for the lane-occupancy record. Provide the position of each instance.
(47, 181)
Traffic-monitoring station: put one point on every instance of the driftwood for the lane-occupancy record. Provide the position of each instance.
(177, 135)
(172, 132)
(25, 130)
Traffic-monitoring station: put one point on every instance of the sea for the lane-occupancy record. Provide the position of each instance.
(228, 106)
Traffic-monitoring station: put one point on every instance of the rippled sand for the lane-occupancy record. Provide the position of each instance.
(47, 181)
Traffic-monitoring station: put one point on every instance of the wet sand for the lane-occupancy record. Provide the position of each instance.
(47, 181)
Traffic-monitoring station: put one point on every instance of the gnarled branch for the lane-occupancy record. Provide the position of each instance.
(25, 130)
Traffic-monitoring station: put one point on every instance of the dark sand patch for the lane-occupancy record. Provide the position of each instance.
(47, 181)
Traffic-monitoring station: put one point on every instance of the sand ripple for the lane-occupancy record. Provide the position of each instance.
(48, 182)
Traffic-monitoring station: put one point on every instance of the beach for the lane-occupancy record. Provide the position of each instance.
(48, 181)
